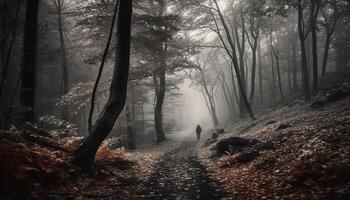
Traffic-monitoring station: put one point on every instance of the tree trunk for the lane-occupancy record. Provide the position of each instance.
(234, 84)
(62, 48)
(304, 67)
(59, 5)
(243, 96)
(279, 76)
(325, 54)
(27, 97)
(6, 62)
(142, 119)
(158, 116)
(130, 131)
(294, 56)
(209, 100)
(226, 94)
(242, 70)
(273, 81)
(260, 74)
(314, 14)
(85, 154)
(253, 72)
(289, 70)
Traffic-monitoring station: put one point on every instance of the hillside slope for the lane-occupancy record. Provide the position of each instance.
(308, 155)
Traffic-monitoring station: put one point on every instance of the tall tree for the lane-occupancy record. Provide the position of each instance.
(160, 92)
(329, 14)
(231, 51)
(303, 32)
(254, 33)
(60, 26)
(29, 59)
(315, 7)
(85, 154)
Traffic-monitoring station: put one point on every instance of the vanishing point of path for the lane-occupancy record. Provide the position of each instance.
(179, 175)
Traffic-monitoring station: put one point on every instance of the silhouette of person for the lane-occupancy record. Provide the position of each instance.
(198, 131)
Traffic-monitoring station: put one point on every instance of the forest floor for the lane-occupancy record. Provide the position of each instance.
(309, 158)
(36, 167)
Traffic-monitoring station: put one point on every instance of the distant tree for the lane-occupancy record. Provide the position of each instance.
(231, 50)
(329, 14)
(208, 88)
(314, 10)
(59, 4)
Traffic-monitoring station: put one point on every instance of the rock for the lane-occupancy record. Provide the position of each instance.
(283, 126)
(215, 136)
(248, 156)
(237, 144)
(269, 145)
(318, 103)
(270, 122)
(336, 95)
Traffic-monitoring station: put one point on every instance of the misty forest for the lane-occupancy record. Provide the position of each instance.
(175, 99)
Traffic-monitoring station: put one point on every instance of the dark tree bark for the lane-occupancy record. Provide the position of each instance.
(294, 56)
(261, 86)
(279, 75)
(85, 154)
(6, 62)
(27, 96)
(160, 95)
(160, 91)
(273, 81)
(60, 25)
(254, 33)
(94, 90)
(304, 67)
(241, 53)
(314, 13)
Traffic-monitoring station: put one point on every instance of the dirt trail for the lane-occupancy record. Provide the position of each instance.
(179, 175)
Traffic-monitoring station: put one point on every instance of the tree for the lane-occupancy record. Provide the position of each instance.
(254, 33)
(329, 14)
(275, 54)
(60, 26)
(315, 7)
(232, 53)
(303, 32)
(85, 154)
(208, 90)
(161, 87)
(29, 59)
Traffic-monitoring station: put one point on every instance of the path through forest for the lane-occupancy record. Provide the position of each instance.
(179, 175)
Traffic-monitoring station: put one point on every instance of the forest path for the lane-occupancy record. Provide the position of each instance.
(179, 175)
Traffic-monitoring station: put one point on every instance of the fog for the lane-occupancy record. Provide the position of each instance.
(194, 110)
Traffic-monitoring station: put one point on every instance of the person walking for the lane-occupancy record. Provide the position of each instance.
(198, 131)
